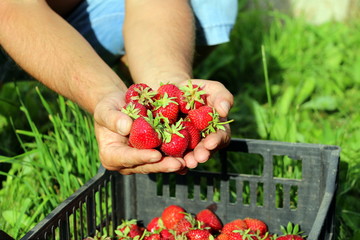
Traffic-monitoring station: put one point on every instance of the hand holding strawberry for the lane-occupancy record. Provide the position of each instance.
(182, 116)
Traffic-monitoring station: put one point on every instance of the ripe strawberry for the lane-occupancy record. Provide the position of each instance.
(223, 236)
(184, 225)
(152, 236)
(209, 219)
(171, 89)
(194, 134)
(134, 110)
(175, 140)
(155, 224)
(256, 225)
(171, 215)
(198, 234)
(140, 92)
(165, 234)
(237, 224)
(206, 119)
(128, 229)
(236, 236)
(290, 237)
(145, 133)
(192, 97)
(166, 107)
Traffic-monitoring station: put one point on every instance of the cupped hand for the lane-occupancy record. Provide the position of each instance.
(112, 128)
(222, 100)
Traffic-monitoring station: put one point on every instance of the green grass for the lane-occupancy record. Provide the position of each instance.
(52, 166)
(291, 81)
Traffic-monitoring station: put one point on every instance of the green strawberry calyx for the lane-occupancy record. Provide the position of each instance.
(164, 101)
(155, 122)
(192, 94)
(145, 95)
(215, 124)
(169, 130)
(131, 110)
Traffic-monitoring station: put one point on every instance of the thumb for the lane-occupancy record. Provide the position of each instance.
(111, 117)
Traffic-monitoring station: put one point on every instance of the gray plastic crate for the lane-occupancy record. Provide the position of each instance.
(109, 197)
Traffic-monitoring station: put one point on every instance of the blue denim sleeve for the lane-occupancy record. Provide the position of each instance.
(101, 23)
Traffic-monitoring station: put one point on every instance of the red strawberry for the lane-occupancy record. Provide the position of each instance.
(192, 97)
(153, 236)
(198, 234)
(184, 225)
(236, 236)
(206, 119)
(194, 134)
(134, 110)
(128, 228)
(171, 89)
(237, 224)
(175, 140)
(171, 215)
(209, 219)
(167, 235)
(290, 237)
(145, 133)
(223, 236)
(256, 225)
(166, 107)
(155, 224)
(140, 92)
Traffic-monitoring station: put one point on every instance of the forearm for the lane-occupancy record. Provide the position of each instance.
(159, 40)
(50, 50)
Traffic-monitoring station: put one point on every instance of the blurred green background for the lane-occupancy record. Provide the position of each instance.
(295, 78)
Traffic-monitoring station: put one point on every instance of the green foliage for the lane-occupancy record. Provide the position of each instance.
(52, 166)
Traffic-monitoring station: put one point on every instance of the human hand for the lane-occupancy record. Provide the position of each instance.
(222, 100)
(112, 128)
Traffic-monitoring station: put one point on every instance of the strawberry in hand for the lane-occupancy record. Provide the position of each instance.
(141, 93)
(166, 107)
(145, 132)
(175, 139)
(206, 120)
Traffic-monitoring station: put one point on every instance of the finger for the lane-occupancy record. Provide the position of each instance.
(218, 139)
(218, 96)
(190, 160)
(107, 113)
(166, 165)
(201, 153)
(116, 154)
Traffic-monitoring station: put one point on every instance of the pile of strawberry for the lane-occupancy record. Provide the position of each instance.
(170, 119)
(175, 223)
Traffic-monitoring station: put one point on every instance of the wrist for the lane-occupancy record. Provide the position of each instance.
(165, 77)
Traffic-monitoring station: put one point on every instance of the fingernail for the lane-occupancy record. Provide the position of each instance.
(225, 106)
(123, 127)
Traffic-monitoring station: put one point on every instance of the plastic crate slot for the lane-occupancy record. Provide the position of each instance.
(190, 187)
(246, 193)
(232, 190)
(203, 189)
(260, 194)
(172, 185)
(279, 196)
(159, 184)
(287, 167)
(293, 197)
(216, 190)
